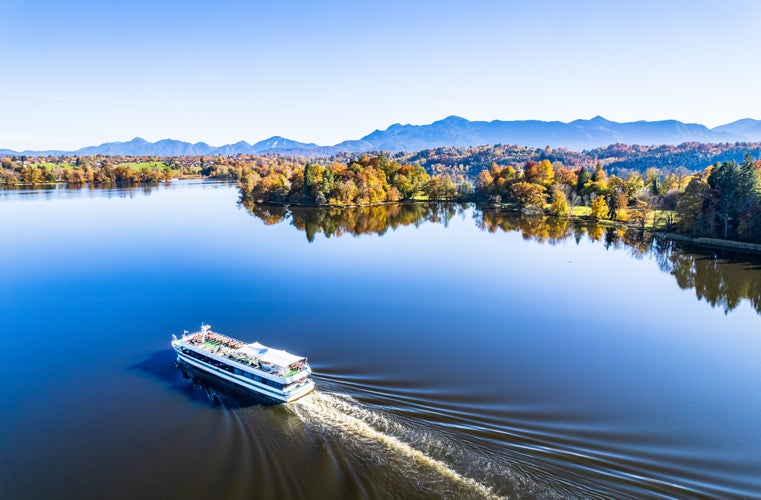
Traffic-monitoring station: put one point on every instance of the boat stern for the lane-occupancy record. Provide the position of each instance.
(300, 392)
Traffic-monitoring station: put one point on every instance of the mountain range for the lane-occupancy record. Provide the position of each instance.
(451, 131)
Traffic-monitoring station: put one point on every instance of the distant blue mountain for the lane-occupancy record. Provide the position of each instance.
(452, 131)
(749, 130)
(170, 147)
(579, 134)
(277, 143)
(239, 148)
(140, 147)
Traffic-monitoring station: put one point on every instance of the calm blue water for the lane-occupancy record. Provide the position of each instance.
(450, 361)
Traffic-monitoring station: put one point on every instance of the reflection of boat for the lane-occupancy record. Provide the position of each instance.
(269, 372)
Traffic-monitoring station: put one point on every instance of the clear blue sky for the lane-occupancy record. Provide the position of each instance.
(77, 73)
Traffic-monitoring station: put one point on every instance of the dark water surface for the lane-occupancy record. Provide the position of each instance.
(457, 354)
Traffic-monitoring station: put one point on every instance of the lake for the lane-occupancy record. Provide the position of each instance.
(457, 353)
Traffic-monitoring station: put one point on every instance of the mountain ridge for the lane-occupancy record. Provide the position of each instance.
(580, 134)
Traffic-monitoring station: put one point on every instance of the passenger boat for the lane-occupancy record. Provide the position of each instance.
(270, 372)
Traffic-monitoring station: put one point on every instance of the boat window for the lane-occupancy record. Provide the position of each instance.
(272, 383)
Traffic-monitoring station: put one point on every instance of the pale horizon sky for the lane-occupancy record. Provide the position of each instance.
(81, 73)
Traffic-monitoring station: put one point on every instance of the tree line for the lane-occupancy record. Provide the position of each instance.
(84, 170)
(722, 201)
(617, 159)
(366, 180)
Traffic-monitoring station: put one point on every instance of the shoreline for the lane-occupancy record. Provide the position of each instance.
(716, 243)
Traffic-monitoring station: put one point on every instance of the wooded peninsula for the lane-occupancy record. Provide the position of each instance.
(721, 200)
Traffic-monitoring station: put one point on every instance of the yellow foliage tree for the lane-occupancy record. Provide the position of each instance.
(546, 172)
(559, 204)
(527, 194)
(600, 208)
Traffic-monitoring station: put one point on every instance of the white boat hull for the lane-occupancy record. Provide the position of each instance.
(246, 383)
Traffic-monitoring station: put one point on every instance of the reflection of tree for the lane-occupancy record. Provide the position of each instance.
(722, 282)
(543, 229)
(376, 219)
(269, 214)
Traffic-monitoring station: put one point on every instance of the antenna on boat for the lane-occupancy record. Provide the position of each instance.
(204, 329)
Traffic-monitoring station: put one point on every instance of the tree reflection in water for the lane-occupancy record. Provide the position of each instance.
(356, 221)
(721, 278)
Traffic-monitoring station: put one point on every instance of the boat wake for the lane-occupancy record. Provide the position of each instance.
(342, 415)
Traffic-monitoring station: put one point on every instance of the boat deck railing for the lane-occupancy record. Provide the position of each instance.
(213, 340)
(222, 345)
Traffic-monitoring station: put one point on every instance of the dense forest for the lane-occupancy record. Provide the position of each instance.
(367, 180)
(460, 164)
(723, 200)
(617, 159)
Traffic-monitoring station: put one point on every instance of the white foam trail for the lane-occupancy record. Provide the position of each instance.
(335, 411)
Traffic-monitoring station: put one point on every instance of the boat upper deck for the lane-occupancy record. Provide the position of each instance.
(256, 355)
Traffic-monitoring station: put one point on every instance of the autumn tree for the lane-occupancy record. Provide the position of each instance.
(689, 208)
(528, 194)
(653, 181)
(600, 208)
(639, 212)
(31, 175)
(273, 188)
(582, 183)
(566, 177)
(409, 180)
(484, 184)
(531, 171)
(541, 173)
(441, 187)
(633, 186)
(559, 204)
(312, 191)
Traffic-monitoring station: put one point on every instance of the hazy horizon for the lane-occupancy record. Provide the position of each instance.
(84, 73)
(254, 141)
